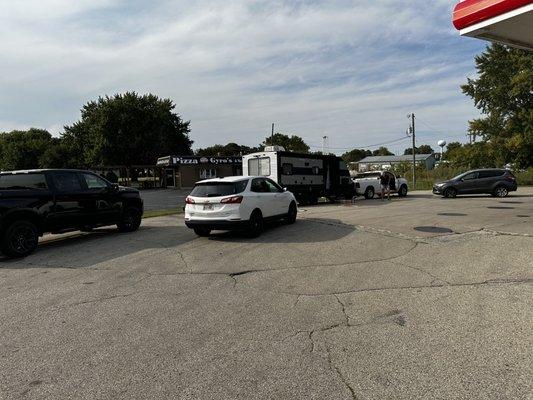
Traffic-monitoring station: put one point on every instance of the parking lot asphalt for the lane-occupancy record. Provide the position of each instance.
(164, 199)
(363, 301)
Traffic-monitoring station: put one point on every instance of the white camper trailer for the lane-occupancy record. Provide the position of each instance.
(308, 176)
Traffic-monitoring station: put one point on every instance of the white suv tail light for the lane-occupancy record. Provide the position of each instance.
(232, 200)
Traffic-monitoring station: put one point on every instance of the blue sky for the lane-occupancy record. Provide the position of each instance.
(351, 70)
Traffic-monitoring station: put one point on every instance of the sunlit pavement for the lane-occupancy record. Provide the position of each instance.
(415, 298)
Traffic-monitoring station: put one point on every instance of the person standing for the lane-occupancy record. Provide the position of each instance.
(384, 181)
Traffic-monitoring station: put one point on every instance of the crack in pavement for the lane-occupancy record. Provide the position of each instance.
(384, 288)
(116, 296)
(321, 265)
(444, 283)
(500, 233)
(435, 277)
(251, 271)
(234, 275)
(347, 318)
(333, 367)
(399, 319)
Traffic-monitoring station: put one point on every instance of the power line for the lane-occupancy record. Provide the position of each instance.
(437, 130)
(363, 146)
(430, 127)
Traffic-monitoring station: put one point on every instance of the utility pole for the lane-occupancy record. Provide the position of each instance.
(412, 129)
(272, 134)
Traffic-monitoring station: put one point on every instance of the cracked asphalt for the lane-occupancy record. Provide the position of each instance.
(351, 302)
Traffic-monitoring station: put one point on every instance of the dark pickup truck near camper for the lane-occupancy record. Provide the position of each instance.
(35, 202)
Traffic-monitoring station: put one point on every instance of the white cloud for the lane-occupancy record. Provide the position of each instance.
(349, 68)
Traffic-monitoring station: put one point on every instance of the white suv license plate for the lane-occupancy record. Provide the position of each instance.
(209, 207)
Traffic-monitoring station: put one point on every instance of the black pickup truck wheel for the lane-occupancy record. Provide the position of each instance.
(131, 220)
(20, 239)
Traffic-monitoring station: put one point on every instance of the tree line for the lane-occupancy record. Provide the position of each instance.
(125, 129)
(131, 129)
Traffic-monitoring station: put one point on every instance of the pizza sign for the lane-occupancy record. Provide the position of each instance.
(176, 160)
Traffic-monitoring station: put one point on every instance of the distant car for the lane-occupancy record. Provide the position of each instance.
(38, 201)
(496, 182)
(237, 203)
(368, 184)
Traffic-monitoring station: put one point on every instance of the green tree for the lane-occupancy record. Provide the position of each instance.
(127, 129)
(382, 151)
(24, 149)
(452, 147)
(61, 153)
(230, 149)
(290, 143)
(355, 155)
(423, 149)
(503, 92)
(481, 154)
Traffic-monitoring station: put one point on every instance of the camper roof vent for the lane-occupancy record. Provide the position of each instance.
(274, 148)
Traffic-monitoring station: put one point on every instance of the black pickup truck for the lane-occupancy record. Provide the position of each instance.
(35, 202)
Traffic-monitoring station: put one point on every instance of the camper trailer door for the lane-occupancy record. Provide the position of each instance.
(261, 164)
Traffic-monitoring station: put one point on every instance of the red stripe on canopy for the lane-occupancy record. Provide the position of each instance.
(470, 12)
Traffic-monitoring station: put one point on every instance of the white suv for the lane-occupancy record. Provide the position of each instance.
(237, 202)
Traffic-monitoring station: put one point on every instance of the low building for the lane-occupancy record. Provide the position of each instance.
(185, 171)
(383, 162)
(137, 176)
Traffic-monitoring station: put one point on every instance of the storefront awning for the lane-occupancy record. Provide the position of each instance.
(505, 21)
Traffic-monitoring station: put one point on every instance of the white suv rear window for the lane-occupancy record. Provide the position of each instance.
(217, 189)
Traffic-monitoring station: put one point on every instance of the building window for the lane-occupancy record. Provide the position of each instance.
(259, 166)
(208, 173)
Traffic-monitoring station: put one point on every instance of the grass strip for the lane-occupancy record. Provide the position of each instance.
(162, 213)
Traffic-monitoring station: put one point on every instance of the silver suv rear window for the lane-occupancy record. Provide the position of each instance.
(217, 189)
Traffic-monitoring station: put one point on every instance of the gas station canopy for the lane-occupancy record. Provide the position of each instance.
(505, 21)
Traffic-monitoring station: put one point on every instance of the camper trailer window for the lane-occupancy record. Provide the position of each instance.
(259, 166)
(286, 169)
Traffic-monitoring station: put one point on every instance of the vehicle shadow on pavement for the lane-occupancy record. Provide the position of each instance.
(483, 196)
(303, 231)
(377, 202)
(82, 250)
